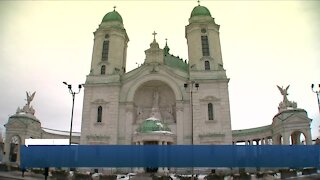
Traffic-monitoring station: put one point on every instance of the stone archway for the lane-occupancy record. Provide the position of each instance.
(297, 137)
(159, 92)
(154, 77)
(15, 141)
(278, 139)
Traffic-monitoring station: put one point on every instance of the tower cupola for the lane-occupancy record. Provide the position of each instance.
(200, 11)
(112, 16)
(110, 46)
(204, 50)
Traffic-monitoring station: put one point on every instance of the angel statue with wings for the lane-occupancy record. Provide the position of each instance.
(30, 98)
(285, 104)
(27, 108)
(284, 93)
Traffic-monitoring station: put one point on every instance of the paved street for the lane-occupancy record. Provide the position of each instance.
(17, 175)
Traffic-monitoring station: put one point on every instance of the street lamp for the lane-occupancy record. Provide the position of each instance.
(191, 84)
(73, 96)
(317, 93)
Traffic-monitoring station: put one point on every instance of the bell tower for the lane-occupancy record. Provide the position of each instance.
(203, 40)
(110, 46)
(211, 120)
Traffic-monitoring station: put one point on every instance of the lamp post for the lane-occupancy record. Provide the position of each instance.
(73, 96)
(317, 93)
(191, 84)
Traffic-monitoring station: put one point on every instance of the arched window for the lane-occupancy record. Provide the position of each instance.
(210, 111)
(103, 69)
(206, 65)
(105, 50)
(99, 117)
(205, 46)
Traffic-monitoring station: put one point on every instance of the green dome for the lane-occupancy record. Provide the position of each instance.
(200, 11)
(112, 16)
(151, 125)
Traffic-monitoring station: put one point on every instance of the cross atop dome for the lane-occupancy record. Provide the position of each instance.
(154, 35)
(198, 2)
(114, 8)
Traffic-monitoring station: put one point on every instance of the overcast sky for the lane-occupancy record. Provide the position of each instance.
(264, 44)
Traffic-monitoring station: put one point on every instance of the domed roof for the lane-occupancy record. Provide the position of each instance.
(112, 16)
(152, 125)
(200, 11)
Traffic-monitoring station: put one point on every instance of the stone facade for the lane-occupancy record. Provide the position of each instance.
(126, 97)
(190, 99)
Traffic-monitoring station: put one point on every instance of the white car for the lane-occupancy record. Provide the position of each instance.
(174, 177)
(201, 176)
(122, 177)
(96, 176)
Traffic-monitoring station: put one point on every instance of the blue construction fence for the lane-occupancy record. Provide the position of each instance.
(293, 156)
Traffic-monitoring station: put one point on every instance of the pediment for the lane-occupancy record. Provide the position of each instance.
(206, 58)
(15, 124)
(210, 99)
(154, 69)
(99, 101)
(296, 119)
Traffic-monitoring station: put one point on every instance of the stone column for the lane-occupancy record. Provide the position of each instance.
(6, 150)
(165, 169)
(129, 122)
(307, 134)
(141, 169)
(136, 169)
(286, 137)
(179, 119)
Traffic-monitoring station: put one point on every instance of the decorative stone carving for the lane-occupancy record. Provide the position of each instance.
(28, 109)
(286, 104)
(155, 112)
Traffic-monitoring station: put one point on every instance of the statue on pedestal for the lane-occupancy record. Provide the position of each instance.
(286, 104)
(28, 109)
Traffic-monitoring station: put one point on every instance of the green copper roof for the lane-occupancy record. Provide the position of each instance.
(152, 125)
(173, 61)
(200, 11)
(112, 16)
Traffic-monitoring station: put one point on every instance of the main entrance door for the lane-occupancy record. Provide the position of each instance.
(151, 169)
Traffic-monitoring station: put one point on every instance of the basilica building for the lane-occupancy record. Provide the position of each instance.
(164, 101)
(152, 104)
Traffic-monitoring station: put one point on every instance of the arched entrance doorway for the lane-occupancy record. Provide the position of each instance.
(153, 131)
(151, 169)
(297, 137)
(14, 148)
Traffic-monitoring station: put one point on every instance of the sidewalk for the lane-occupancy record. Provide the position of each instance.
(18, 175)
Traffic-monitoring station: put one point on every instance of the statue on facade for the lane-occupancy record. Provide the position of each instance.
(155, 99)
(155, 111)
(285, 104)
(167, 114)
(28, 109)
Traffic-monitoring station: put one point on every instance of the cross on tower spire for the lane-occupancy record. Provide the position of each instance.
(154, 35)
(114, 8)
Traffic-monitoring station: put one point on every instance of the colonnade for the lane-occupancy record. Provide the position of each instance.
(255, 141)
